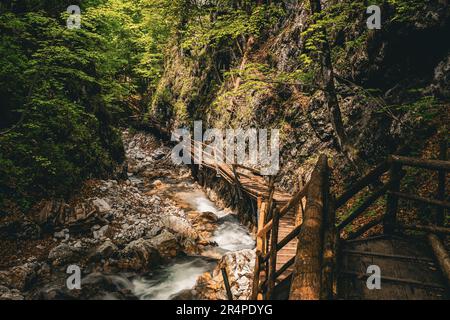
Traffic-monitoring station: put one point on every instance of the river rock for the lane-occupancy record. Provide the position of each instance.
(104, 251)
(19, 277)
(239, 266)
(97, 286)
(166, 244)
(180, 226)
(139, 255)
(64, 253)
(20, 229)
(101, 206)
(10, 294)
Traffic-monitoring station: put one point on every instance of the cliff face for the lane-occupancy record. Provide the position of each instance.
(392, 83)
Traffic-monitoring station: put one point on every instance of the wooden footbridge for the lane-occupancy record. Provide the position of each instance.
(304, 253)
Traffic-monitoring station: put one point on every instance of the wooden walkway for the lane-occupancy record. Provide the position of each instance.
(301, 251)
(408, 270)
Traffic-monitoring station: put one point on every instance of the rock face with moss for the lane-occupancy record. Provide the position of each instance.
(263, 73)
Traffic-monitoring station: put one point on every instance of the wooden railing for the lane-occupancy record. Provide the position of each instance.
(394, 167)
(313, 268)
(315, 262)
(309, 224)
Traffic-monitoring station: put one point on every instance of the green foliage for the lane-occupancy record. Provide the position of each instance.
(424, 108)
(64, 91)
(406, 10)
(229, 26)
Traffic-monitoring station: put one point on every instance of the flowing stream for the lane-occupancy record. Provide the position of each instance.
(182, 273)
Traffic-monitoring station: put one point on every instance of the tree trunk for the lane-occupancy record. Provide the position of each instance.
(329, 89)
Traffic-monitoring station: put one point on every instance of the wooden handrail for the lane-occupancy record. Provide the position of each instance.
(365, 228)
(294, 201)
(366, 204)
(362, 183)
(428, 229)
(421, 163)
(438, 203)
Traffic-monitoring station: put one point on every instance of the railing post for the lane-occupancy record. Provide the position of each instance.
(390, 218)
(329, 240)
(227, 284)
(440, 214)
(273, 254)
(260, 240)
(256, 275)
(306, 278)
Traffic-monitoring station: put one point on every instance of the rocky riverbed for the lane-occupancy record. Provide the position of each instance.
(151, 234)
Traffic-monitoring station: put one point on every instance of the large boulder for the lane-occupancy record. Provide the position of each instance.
(19, 277)
(94, 286)
(166, 244)
(180, 226)
(139, 255)
(10, 294)
(64, 254)
(104, 251)
(239, 266)
(19, 229)
(47, 211)
(101, 205)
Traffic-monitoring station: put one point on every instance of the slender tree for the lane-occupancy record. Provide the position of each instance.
(329, 89)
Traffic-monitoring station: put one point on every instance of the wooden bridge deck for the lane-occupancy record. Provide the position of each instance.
(287, 224)
(408, 267)
(408, 270)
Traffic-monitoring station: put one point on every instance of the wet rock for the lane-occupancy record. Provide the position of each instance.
(97, 286)
(239, 266)
(104, 251)
(166, 244)
(180, 226)
(10, 294)
(63, 254)
(53, 292)
(184, 295)
(19, 277)
(139, 255)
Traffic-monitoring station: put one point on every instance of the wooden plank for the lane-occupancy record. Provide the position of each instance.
(365, 228)
(390, 217)
(365, 205)
(386, 255)
(422, 163)
(256, 275)
(442, 204)
(441, 255)
(285, 267)
(362, 183)
(260, 240)
(430, 229)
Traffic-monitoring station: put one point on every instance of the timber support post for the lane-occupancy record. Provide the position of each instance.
(306, 278)
(442, 174)
(273, 255)
(392, 199)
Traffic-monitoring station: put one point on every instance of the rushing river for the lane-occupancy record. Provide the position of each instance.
(182, 273)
